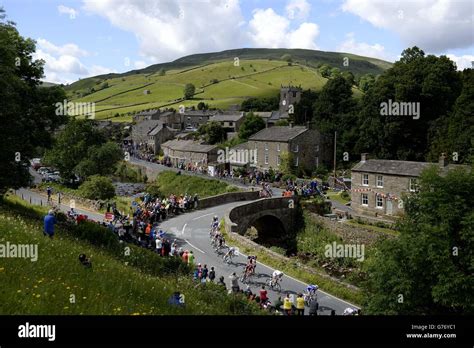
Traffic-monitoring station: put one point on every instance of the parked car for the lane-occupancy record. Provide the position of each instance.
(51, 177)
(44, 170)
(36, 163)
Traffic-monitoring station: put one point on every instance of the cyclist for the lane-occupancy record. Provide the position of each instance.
(276, 277)
(230, 254)
(310, 293)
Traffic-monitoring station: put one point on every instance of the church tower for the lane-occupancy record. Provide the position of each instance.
(289, 95)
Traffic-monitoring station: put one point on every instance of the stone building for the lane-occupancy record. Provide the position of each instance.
(148, 135)
(378, 186)
(308, 147)
(189, 152)
(230, 121)
(192, 119)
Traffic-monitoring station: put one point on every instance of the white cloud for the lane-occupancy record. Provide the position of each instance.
(169, 29)
(62, 63)
(268, 29)
(462, 62)
(140, 64)
(298, 9)
(433, 25)
(67, 10)
(350, 45)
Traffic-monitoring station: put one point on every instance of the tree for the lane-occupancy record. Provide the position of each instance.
(27, 112)
(287, 58)
(213, 132)
(325, 70)
(189, 91)
(453, 133)
(366, 82)
(431, 83)
(335, 72)
(97, 187)
(349, 76)
(251, 125)
(101, 160)
(261, 104)
(287, 163)
(161, 72)
(282, 123)
(202, 106)
(72, 146)
(430, 263)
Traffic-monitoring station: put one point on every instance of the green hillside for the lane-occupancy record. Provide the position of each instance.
(142, 286)
(219, 82)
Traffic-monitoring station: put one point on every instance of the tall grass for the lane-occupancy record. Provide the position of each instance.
(170, 183)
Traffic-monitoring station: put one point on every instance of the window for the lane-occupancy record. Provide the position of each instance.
(378, 201)
(379, 180)
(189, 118)
(200, 118)
(365, 199)
(278, 160)
(296, 148)
(413, 185)
(317, 148)
(297, 161)
(266, 157)
(231, 124)
(317, 162)
(266, 147)
(365, 179)
(278, 147)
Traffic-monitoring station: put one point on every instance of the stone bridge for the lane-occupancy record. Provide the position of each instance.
(275, 219)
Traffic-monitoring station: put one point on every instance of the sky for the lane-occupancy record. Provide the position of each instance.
(82, 38)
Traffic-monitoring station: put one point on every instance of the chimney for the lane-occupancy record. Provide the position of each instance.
(364, 157)
(443, 160)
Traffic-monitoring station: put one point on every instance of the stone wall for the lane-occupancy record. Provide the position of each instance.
(225, 198)
(280, 207)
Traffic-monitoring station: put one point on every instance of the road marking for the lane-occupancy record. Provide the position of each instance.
(202, 216)
(182, 231)
(299, 281)
(195, 247)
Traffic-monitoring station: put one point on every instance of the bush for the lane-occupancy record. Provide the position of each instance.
(288, 176)
(345, 195)
(97, 187)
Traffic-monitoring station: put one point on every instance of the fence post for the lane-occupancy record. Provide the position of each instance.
(30, 199)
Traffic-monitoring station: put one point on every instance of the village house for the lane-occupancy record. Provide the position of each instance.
(192, 119)
(308, 148)
(230, 121)
(153, 114)
(148, 135)
(378, 186)
(181, 153)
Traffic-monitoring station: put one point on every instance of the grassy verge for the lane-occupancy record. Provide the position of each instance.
(116, 285)
(373, 227)
(336, 196)
(170, 183)
(294, 269)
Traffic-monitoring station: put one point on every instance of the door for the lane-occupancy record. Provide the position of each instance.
(389, 207)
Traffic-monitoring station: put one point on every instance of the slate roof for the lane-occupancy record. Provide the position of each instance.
(188, 145)
(155, 130)
(400, 168)
(227, 117)
(279, 133)
(277, 115)
(146, 126)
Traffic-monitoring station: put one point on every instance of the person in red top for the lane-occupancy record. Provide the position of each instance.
(263, 295)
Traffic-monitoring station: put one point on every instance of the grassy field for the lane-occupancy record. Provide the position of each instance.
(169, 183)
(219, 84)
(58, 284)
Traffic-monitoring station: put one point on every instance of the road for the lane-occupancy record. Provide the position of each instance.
(192, 233)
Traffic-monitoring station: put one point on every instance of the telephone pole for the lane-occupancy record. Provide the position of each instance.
(335, 142)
